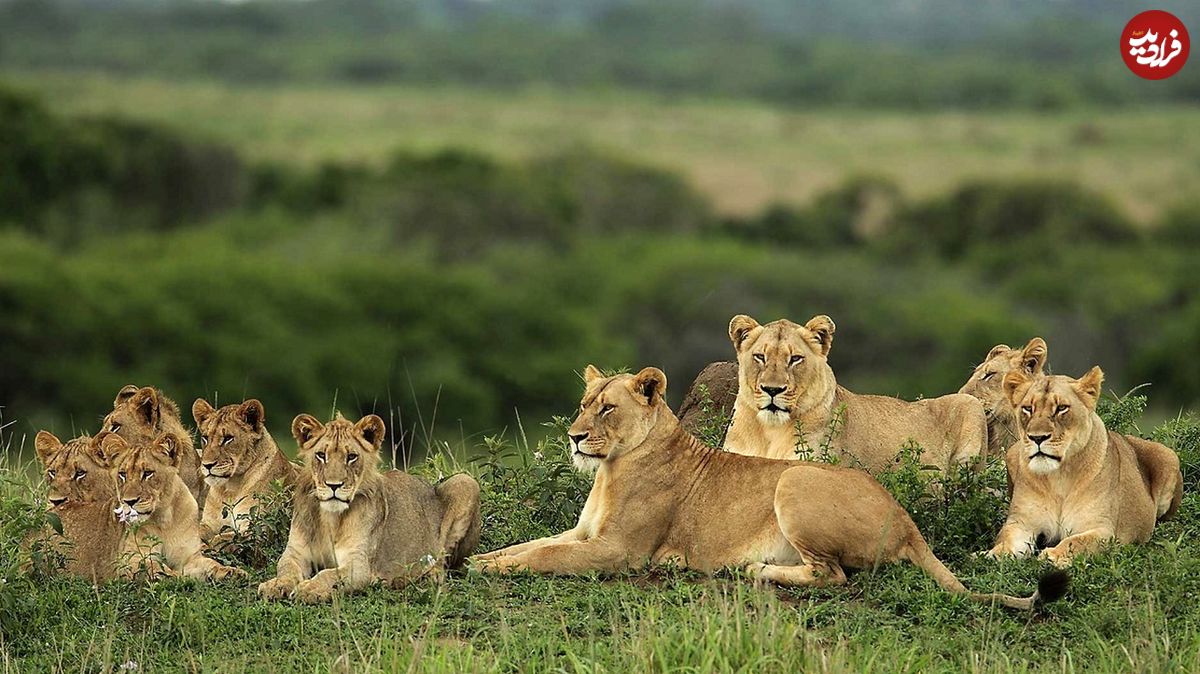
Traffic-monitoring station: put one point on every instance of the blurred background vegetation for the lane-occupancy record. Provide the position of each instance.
(440, 209)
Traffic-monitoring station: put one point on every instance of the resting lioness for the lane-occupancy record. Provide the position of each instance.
(987, 384)
(789, 403)
(83, 496)
(1077, 485)
(238, 461)
(660, 495)
(165, 535)
(140, 415)
(353, 525)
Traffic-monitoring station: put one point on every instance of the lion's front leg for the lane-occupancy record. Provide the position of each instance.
(1014, 540)
(565, 537)
(1062, 554)
(293, 567)
(566, 558)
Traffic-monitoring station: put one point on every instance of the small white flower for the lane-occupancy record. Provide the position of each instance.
(427, 560)
(538, 456)
(129, 666)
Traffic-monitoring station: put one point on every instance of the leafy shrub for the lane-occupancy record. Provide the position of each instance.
(263, 532)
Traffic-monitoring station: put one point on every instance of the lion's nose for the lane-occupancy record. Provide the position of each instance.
(577, 439)
(334, 485)
(773, 390)
(131, 501)
(209, 466)
(1039, 438)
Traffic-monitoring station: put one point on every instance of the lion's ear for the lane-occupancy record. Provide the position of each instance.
(124, 394)
(650, 383)
(372, 429)
(47, 445)
(591, 373)
(1014, 386)
(109, 446)
(822, 328)
(739, 328)
(1033, 356)
(305, 427)
(252, 413)
(145, 402)
(201, 410)
(1088, 386)
(167, 445)
(996, 351)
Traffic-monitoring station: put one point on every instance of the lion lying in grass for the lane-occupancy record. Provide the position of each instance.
(660, 495)
(1077, 485)
(141, 415)
(353, 525)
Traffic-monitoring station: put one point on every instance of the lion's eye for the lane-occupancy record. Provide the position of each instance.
(121, 476)
(114, 427)
(795, 359)
(1027, 409)
(80, 474)
(226, 440)
(1062, 409)
(761, 358)
(987, 375)
(351, 458)
(147, 474)
(607, 408)
(319, 456)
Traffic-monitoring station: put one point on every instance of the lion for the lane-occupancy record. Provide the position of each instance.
(353, 525)
(1076, 484)
(238, 461)
(661, 496)
(165, 531)
(140, 415)
(789, 402)
(986, 384)
(83, 495)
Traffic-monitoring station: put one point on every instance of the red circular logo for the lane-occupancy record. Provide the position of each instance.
(1155, 44)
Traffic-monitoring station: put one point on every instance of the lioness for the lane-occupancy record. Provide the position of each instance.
(1077, 485)
(83, 495)
(238, 461)
(660, 495)
(140, 415)
(166, 534)
(987, 384)
(353, 525)
(788, 399)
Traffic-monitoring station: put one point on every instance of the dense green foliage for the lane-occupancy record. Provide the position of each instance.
(912, 55)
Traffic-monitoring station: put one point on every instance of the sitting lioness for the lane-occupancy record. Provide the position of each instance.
(660, 495)
(987, 384)
(1077, 485)
(238, 461)
(789, 403)
(353, 525)
(140, 415)
(164, 537)
(83, 496)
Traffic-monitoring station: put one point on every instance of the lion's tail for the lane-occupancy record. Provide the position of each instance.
(1051, 585)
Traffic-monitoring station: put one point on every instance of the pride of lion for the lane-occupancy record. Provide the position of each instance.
(789, 496)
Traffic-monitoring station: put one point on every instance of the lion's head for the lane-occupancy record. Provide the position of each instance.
(778, 363)
(137, 414)
(615, 415)
(986, 382)
(147, 472)
(1054, 413)
(76, 472)
(229, 438)
(341, 456)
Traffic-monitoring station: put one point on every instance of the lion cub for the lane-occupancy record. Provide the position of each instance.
(1077, 485)
(789, 399)
(165, 534)
(140, 415)
(239, 460)
(83, 495)
(987, 384)
(660, 495)
(353, 525)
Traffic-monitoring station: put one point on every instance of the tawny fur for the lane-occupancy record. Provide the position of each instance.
(986, 384)
(869, 430)
(353, 525)
(238, 461)
(1077, 485)
(660, 495)
(141, 414)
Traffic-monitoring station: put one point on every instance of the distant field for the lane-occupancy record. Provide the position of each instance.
(743, 155)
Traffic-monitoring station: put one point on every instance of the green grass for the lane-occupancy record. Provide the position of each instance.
(1129, 609)
(742, 154)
